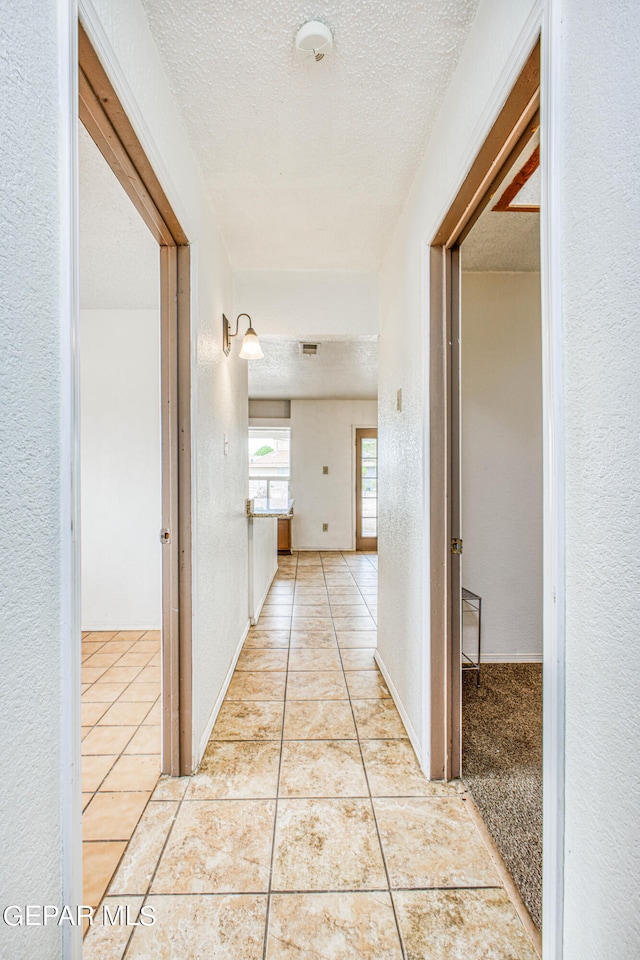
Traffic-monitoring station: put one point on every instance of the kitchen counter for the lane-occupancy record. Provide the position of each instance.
(263, 508)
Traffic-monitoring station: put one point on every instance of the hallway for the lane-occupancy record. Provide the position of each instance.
(309, 822)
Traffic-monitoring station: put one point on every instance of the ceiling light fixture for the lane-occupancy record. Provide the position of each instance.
(251, 349)
(314, 41)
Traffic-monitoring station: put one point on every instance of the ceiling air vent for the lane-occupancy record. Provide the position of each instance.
(308, 349)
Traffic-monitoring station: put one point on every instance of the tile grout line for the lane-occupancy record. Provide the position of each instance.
(182, 800)
(92, 683)
(373, 811)
(275, 815)
(391, 891)
(311, 891)
(105, 895)
(103, 643)
(109, 771)
(375, 820)
(121, 754)
(147, 894)
(425, 889)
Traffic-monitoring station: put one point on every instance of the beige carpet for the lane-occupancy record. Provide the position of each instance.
(502, 766)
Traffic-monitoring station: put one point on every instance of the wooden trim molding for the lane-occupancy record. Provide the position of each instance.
(185, 526)
(440, 534)
(170, 516)
(93, 117)
(454, 438)
(505, 203)
(520, 108)
(512, 130)
(518, 141)
(120, 146)
(107, 123)
(444, 440)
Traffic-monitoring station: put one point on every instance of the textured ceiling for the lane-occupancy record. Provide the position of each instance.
(119, 259)
(308, 166)
(345, 368)
(505, 241)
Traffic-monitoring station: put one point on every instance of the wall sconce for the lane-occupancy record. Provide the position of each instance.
(251, 349)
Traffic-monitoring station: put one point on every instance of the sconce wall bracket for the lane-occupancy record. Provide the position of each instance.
(227, 335)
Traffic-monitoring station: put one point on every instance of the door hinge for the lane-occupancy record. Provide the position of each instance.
(165, 536)
(456, 546)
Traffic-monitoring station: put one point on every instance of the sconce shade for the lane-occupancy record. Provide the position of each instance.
(251, 349)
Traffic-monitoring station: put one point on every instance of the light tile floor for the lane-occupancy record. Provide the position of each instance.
(120, 746)
(309, 830)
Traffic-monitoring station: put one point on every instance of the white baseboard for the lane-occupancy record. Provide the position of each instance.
(202, 746)
(110, 627)
(413, 737)
(511, 658)
(258, 611)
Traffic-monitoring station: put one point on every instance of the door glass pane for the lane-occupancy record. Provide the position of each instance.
(368, 481)
(369, 527)
(369, 449)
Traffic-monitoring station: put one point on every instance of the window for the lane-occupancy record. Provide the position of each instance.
(269, 465)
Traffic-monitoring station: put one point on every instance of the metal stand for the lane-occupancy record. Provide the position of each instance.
(474, 602)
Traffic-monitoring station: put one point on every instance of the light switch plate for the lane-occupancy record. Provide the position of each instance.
(325, 469)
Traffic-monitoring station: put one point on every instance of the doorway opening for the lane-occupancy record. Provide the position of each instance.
(455, 622)
(501, 516)
(120, 516)
(163, 352)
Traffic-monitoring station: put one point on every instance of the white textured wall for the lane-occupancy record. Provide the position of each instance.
(304, 303)
(500, 27)
(121, 512)
(322, 435)
(598, 236)
(39, 626)
(219, 402)
(502, 462)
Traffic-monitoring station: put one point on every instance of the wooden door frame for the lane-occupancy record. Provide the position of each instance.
(105, 120)
(513, 127)
(366, 433)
